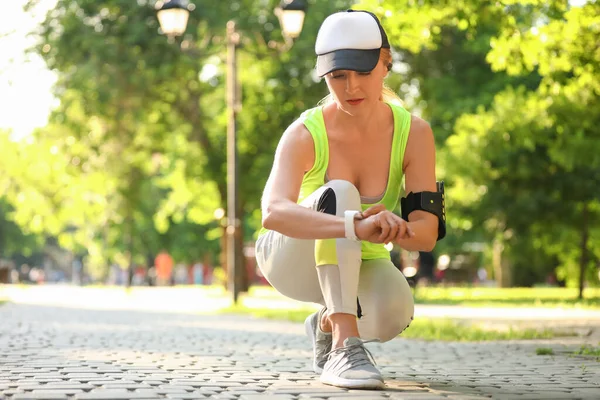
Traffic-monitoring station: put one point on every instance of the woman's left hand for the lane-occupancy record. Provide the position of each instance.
(393, 227)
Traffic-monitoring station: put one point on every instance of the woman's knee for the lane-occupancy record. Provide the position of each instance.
(346, 195)
(288, 265)
(394, 318)
(388, 300)
(343, 187)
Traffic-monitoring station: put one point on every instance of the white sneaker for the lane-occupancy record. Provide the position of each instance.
(352, 366)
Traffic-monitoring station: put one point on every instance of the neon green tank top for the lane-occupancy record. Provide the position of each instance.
(315, 178)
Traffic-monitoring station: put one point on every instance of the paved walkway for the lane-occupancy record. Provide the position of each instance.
(52, 352)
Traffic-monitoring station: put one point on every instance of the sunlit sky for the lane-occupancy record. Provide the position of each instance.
(25, 82)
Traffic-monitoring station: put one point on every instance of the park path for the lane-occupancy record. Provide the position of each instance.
(59, 352)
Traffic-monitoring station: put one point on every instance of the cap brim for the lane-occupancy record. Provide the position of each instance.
(350, 59)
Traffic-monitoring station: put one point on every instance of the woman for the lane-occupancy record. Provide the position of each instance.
(327, 206)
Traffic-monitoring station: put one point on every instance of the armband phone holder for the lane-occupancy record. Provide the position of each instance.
(432, 202)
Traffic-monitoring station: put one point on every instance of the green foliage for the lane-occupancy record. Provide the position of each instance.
(13, 239)
(138, 141)
(133, 159)
(537, 149)
(512, 89)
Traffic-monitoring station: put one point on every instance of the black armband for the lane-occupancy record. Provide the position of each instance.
(432, 202)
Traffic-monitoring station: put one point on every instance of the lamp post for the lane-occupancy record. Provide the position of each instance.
(173, 17)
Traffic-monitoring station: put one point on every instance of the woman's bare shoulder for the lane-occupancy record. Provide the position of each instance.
(297, 143)
(420, 140)
(419, 126)
(420, 134)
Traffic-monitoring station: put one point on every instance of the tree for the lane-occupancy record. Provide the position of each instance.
(563, 50)
(509, 160)
(441, 51)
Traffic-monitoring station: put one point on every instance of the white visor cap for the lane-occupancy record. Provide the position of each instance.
(349, 40)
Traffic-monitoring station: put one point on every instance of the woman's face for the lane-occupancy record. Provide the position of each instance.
(356, 92)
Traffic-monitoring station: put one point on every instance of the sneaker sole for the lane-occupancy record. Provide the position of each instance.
(333, 380)
(310, 328)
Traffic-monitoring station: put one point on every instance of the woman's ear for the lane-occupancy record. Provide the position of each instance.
(388, 69)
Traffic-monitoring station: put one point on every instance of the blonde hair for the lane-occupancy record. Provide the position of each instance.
(387, 94)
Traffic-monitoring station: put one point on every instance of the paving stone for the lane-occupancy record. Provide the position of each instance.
(176, 387)
(342, 394)
(114, 395)
(68, 392)
(416, 396)
(36, 380)
(10, 392)
(188, 396)
(40, 396)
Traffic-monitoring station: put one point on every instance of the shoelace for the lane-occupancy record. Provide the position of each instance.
(356, 353)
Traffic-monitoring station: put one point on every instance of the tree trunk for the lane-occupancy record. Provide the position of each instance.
(243, 282)
(242, 279)
(4, 270)
(223, 257)
(583, 261)
(129, 248)
(501, 266)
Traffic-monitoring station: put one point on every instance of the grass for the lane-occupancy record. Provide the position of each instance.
(544, 351)
(508, 297)
(296, 315)
(423, 329)
(488, 297)
(448, 330)
(590, 351)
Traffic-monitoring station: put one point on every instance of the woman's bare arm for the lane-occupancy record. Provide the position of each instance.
(280, 212)
(419, 172)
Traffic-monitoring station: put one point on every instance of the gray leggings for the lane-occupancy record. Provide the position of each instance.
(290, 266)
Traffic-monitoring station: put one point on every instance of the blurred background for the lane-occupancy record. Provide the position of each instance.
(114, 135)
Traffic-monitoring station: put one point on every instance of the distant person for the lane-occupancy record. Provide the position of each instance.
(198, 273)
(327, 205)
(139, 275)
(482, 275)
(181, 274)
(151, 276)
(208, 271)
(164, 268)
(426, 266)
(76, 271)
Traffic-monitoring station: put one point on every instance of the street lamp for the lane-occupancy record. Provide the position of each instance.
(173, 17)
(291, 17)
